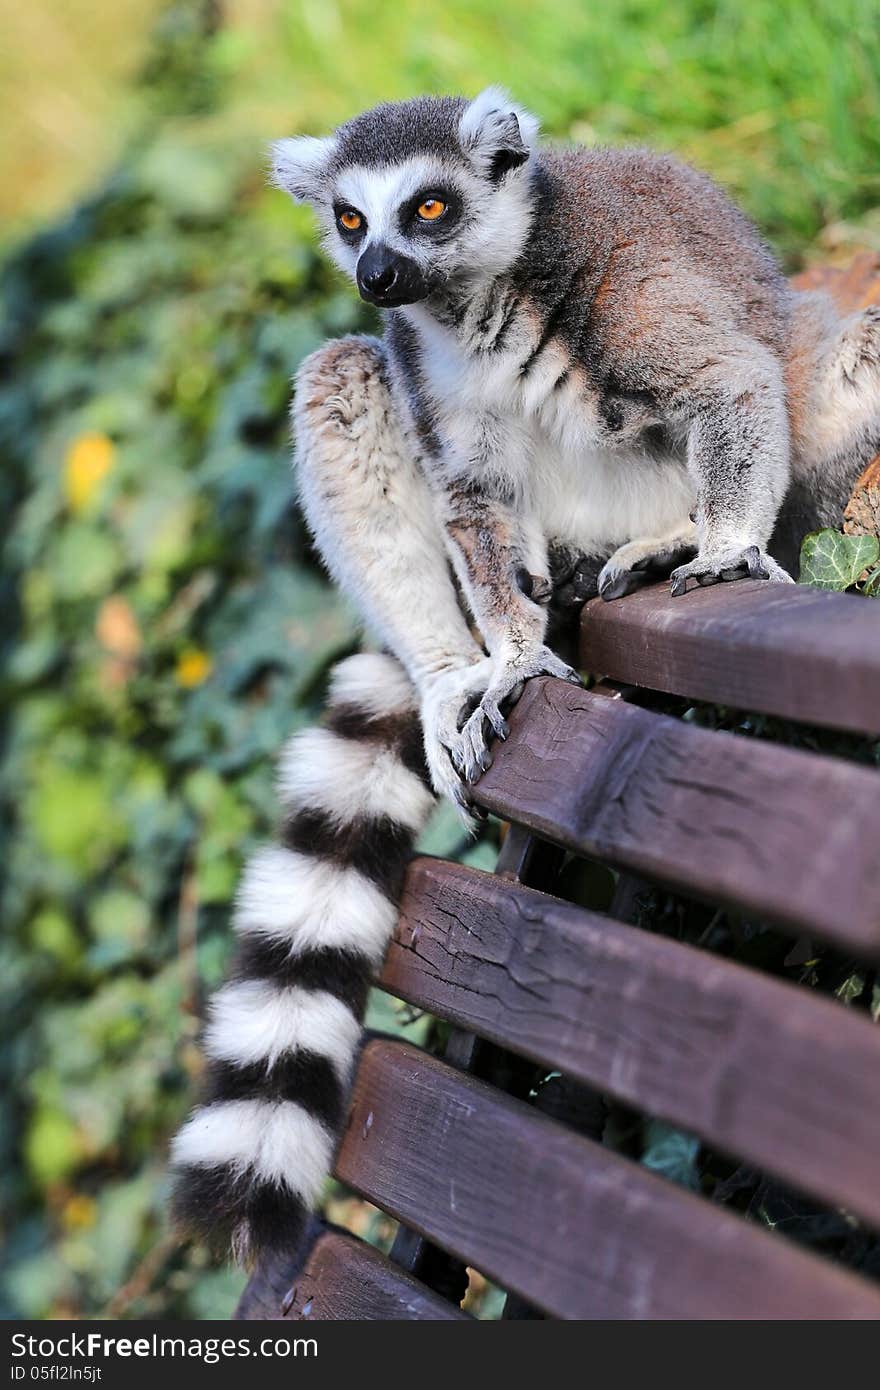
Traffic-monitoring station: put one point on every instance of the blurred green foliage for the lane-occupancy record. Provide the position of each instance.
(165, 631)
(164, 626)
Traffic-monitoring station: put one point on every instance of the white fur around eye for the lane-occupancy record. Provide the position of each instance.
(379, 193)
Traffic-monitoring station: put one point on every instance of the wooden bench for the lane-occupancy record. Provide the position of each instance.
(483, 1167)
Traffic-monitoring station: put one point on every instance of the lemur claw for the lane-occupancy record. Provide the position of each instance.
(728, 566)
(471, 755)
(624, 582)
(445, 710)
(638, 563)
(500, 726)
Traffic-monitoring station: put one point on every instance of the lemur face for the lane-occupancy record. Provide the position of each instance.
(414, 195)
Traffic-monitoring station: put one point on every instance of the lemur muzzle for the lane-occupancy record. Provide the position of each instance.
(387, 279)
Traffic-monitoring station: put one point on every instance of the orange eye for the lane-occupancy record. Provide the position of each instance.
(431, 209)
(350, 220)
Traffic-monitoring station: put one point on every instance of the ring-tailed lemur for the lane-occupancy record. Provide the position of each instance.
(593, 372)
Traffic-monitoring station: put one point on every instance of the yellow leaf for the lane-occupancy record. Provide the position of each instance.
(89, 460)
(193, 667)
(79, 1212)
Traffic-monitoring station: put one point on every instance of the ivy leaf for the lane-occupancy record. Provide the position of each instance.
(871, 586)
(851, 989)
(830, 560)
(672, 1153)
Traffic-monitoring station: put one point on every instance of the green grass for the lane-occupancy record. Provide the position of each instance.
(776, 97)
(779, 99)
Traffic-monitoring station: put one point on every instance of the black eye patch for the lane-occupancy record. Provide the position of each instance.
(411, 223)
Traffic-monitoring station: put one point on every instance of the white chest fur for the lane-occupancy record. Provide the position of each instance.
(539, 433)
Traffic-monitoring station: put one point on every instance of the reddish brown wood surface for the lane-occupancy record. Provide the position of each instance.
(783, 833)
(762, 1069)
(854, 286)
(566, 1223)
(345, 1280)
(787, 649)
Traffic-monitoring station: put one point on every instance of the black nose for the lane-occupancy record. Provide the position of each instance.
(380, 279)
(378, 271)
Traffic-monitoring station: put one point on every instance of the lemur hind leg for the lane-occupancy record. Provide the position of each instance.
(642, 562)
(375, 525)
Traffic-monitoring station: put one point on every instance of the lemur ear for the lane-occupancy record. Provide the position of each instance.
(299, 166)
(496, 133)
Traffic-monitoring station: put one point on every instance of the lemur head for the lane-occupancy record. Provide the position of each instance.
(416, 194)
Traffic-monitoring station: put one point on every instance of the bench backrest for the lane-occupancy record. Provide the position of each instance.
(757, 1067)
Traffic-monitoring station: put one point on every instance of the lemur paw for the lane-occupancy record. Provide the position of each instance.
(639, 563)
(446, 706)
(726, 565)
(576, 583)
(470, 753)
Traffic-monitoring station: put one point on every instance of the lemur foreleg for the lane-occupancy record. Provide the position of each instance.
(738, 455)
(375, 524)
(500, 557)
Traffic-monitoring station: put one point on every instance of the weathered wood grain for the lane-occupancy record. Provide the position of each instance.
(345, 1280)
(788, 650)
(760, 1068)
(862, 515)
(783, 833)
(263, 1296)
(566, 1223)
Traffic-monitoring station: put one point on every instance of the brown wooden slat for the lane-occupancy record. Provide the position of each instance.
(788, 650)
(263, 1296)
(787, 834)
(345, 1280)
(763, 1069)
(575, 1228)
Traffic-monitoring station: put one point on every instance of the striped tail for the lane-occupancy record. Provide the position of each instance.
(314, 916)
